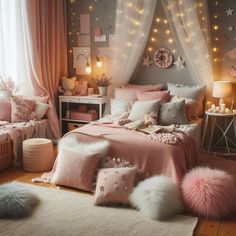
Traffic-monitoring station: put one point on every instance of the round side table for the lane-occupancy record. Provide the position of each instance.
(38, 155)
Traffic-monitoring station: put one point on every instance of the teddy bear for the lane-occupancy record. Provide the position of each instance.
(67, 86)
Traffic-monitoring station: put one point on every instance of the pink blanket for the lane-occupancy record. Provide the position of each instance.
(151, 157)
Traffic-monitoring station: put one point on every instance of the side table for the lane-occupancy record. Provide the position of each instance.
(214, 119)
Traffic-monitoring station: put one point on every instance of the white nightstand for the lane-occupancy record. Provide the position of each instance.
(73, 102)
(214, 119)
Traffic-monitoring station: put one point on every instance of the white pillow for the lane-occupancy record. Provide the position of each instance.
(157, 197)
(119, 107)
(40, 110)
(140, 108)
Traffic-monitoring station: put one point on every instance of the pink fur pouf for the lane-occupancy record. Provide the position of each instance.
(209, 193)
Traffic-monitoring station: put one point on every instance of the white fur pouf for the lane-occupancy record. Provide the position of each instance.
(157, 197)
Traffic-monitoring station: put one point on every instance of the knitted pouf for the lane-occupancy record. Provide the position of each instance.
(38, 155)
(209, 193)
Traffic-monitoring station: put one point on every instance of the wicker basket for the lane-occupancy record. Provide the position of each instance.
(5, 154)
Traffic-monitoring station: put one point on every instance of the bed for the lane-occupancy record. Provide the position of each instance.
(13, 134)
(150, 156)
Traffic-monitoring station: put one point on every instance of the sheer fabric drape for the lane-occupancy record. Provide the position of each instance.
(190, 25)
(133, 23)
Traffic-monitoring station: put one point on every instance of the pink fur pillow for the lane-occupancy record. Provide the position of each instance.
(114, 185)
(5, 109)
(164, 96)
(22, 109)
(76, 170)
(209, 193)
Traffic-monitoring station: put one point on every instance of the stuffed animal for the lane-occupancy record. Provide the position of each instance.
(67, 86)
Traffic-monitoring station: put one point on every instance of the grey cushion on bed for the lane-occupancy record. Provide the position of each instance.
(173, 113)
(16, 201)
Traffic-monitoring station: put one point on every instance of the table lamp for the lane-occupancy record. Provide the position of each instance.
(221, 90)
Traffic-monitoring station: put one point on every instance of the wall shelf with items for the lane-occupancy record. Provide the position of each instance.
(75, 111)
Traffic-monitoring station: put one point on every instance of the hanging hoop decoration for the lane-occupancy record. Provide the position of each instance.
(163, 58)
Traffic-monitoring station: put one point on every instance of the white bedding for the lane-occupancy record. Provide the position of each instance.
(193, 128)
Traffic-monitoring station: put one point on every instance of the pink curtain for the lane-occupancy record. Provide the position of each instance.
(46, 52)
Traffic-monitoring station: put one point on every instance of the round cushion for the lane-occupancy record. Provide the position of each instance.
(209, 193)
(38, 155)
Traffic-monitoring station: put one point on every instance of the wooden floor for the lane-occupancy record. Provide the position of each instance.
(204, 228)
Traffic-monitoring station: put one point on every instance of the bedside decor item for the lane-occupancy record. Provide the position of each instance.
(221, 90)
(38, 155)
(209, 192)
(16, 201)
(103, 84)
(163, 58)
(180, 63)
(81, 89)
(157, 197)
(5, 109)
(8, 87)
(67, 86)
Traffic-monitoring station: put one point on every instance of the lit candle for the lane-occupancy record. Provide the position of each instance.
(234, 111)
(226, 110)
(222, 108)
(213, 107)
(217, 109)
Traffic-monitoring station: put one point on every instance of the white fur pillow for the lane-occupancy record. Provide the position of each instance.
(157, 197)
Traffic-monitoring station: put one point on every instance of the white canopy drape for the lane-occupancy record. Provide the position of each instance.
(189, 23)
(133, 23)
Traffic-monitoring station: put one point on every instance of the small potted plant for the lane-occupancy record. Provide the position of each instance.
(103, 84)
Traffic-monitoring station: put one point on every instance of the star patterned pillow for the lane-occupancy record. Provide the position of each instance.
(76, 170)
(114, 185)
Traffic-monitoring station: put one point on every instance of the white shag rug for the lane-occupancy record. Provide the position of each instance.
(69, 213)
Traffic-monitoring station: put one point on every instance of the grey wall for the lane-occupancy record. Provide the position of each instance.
(104, 11)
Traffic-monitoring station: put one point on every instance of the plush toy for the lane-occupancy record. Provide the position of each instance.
(67, 86)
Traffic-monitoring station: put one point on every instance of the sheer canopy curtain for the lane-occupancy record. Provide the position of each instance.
(190, 25)
(133, 23)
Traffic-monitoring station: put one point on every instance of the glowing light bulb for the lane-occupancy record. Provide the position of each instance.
(215, 16)
(167, 32)
(149, 49)
(88, 69)
(155, 30)
(153, 39)
(90, 7)
(216, 38)
(214, 49)
(165, 21)
(158, 20)
(99, 64)
(170, 40)
(215, 27)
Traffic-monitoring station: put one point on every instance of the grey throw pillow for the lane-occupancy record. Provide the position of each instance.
(16, 201)
(173, 113)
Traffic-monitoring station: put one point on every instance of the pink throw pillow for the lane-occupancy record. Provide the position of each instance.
(5, 109)
(129, 95)
(114, 185)
(76, 170)
(164, 96)
(149, 87)
(22, 109)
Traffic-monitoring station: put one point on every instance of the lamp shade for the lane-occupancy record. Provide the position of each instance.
(222, 89)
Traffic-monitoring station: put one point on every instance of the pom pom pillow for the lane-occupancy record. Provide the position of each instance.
(173, 113)
(209, 193)
(114, 185)
(5, 109)
(141, 108)
(76, 170)
(157, 197)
